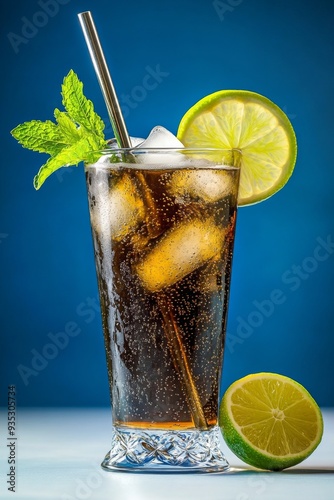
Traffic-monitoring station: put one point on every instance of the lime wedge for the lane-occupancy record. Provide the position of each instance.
(251, 126)
(270, 421)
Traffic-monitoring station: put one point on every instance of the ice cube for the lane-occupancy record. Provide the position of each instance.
(208, 185)
(161, 138)
(115, 212)
(181, 250)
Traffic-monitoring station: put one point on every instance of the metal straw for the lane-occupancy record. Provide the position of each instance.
(178, 352)
(104, 78)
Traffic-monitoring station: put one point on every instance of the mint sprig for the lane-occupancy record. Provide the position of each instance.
(77, 133)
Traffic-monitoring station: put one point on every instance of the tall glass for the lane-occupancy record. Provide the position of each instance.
(163, 223)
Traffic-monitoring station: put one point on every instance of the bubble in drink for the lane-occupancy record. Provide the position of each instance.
(184, 248)
(116, 211)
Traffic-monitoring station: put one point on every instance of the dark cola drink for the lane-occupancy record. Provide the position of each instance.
(163, 238)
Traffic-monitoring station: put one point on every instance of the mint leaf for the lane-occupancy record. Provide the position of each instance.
(43, 137)
(79, 108)
(67, 128)
(77, 133)
(70, 156)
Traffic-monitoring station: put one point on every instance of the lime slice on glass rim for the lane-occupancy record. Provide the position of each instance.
(251, 126)
(270, 421)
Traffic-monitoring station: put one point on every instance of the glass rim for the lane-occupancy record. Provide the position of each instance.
(219, 157)
(165, 150)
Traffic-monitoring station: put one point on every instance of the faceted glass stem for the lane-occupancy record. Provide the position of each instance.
(161, 451)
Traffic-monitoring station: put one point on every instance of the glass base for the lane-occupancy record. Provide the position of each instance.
(136, 450)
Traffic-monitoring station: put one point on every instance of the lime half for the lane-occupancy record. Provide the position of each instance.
(255, 129)
(270, 421)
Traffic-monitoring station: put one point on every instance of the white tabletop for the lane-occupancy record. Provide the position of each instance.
(58, 455)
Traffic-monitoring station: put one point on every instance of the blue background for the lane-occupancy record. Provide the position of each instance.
(283, 50)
